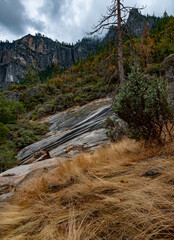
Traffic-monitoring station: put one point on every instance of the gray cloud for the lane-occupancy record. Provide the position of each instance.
(52, 8)
(69, 19)
(14, 18)
(65, 20)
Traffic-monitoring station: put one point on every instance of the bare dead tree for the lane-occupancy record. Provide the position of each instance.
(116, 15)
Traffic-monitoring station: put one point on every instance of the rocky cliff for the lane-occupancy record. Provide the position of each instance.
(16, 57)
(136, 23)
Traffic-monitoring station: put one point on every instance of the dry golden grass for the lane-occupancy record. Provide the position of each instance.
(97, 197)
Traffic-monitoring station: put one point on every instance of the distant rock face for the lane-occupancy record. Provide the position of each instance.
(16, 57)
(137, 22)
(135, 25)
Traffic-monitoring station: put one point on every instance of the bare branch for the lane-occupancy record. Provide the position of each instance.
(116, 15)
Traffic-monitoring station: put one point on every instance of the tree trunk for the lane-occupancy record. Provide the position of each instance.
(120, 52)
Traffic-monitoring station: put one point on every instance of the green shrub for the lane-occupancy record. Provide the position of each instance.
(25, 133)
(88, 89)
(14, 87)
(4, 131)
(89, 79)
(31, 102)
(7, 157)
(64, 101)
(26, 138)
(153, 69)
(50, 89)
(143, 105)
(46, 109)
(10, 110)
(78, 99)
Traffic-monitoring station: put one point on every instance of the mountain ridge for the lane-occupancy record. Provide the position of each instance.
(18, 56)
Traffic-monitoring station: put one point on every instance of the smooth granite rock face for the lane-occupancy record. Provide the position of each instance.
(87, 141)
(77, 129)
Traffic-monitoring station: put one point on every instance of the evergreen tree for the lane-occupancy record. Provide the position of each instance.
(31, 76)
(143, 105)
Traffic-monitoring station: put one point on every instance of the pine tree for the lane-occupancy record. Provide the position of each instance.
(31, 76)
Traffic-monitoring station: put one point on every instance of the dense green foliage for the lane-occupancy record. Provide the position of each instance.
(162, 23)
(7, 156)
(10, 110)
(80, 84)
(50, 72)
(24, 133)
(143, 105)
(3, 133)
(16, 136)
(31, 76)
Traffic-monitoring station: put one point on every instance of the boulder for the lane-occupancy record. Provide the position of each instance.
(14, 178)
(153, 172)
(80, 127)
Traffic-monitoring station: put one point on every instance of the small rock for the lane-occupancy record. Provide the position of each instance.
(6, 195)
(9, 175)
(153, 172)
(54, 187)
(38, 154)
(162, 156)
(5, 188)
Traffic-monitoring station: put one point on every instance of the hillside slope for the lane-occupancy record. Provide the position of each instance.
(121, 192)
(94, 78)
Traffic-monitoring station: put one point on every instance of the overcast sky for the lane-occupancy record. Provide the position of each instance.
(64, 20)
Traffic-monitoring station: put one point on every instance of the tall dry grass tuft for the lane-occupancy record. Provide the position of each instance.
(104, 195)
